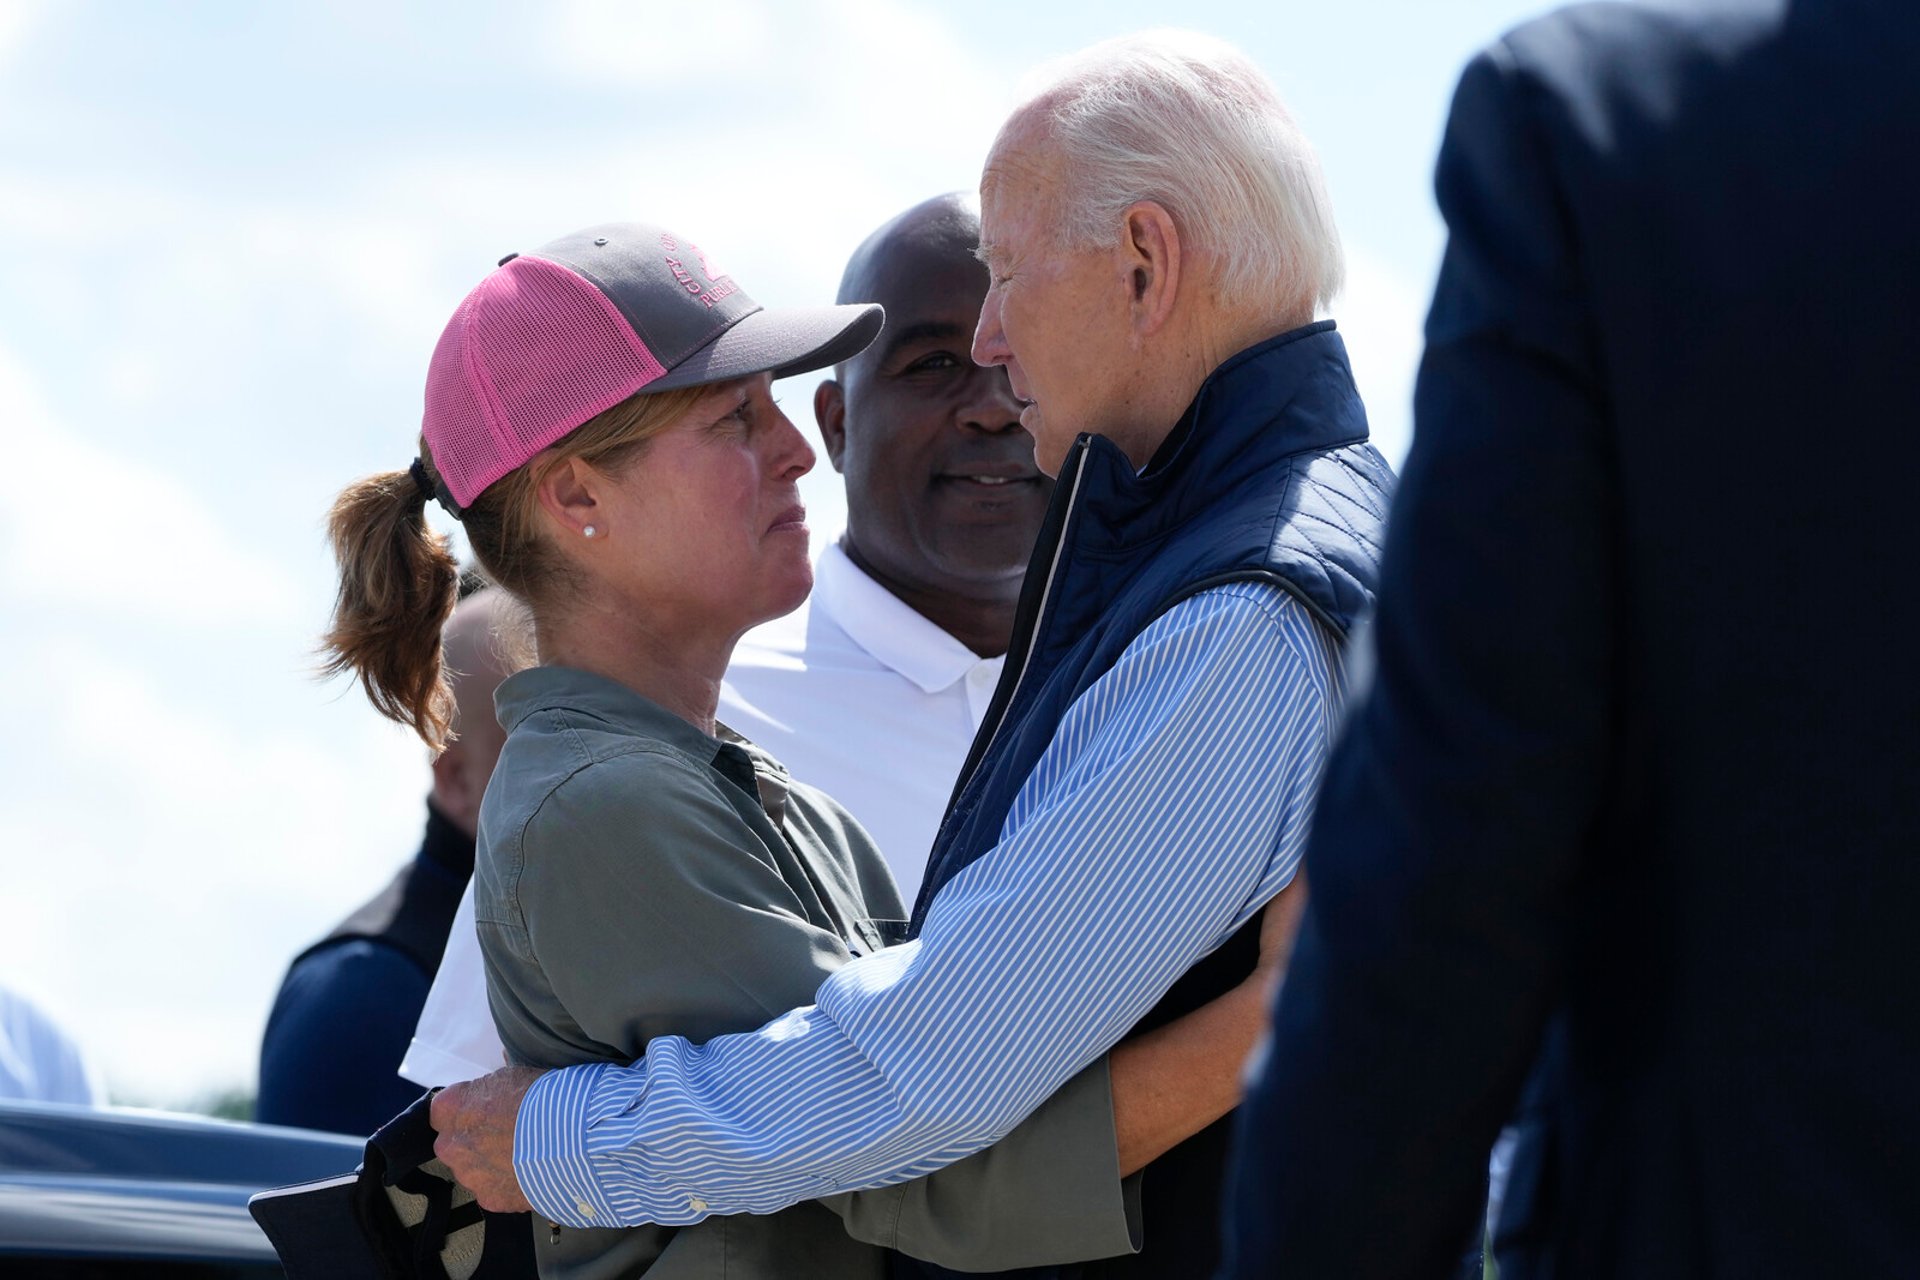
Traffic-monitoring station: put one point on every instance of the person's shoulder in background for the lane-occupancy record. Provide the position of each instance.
(39, 1060)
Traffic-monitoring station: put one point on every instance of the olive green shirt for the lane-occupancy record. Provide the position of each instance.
(637, 878)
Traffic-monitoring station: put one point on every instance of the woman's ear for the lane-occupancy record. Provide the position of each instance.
(566, 491)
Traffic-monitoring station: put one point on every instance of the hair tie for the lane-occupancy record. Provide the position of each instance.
(434, 490)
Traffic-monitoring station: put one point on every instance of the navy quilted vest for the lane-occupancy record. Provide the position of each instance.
(1267, 477)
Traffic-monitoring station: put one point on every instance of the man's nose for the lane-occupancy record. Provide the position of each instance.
(989, 339)
(989, 404)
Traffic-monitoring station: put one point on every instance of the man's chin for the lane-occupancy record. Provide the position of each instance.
(980, 560)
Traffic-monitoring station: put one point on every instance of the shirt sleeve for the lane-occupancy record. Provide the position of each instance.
(1171, 805)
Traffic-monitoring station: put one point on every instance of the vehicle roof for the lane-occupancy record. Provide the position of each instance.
(114, 1181)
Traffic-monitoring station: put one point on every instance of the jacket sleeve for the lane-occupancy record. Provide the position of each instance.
(1458, 808)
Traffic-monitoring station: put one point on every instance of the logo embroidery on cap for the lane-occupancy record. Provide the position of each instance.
(719, 284)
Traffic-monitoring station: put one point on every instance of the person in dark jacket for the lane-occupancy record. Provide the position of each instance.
(1638, 760)
(331, 1054)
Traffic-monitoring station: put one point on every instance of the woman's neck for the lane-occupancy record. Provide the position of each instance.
(681, 672)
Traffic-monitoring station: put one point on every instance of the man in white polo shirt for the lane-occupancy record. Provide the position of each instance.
(873, 689)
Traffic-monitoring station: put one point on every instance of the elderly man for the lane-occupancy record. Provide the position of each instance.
(1158, 239)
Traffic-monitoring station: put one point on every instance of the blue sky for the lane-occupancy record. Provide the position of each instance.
(229, 235)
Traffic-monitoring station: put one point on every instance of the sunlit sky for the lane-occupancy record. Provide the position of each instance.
(229, 236)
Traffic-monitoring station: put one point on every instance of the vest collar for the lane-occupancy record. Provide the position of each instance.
(1288, 395)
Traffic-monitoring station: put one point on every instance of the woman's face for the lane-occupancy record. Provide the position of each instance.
(709, 515)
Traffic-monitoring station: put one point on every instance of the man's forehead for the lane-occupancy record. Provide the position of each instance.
(930, 300)
(1015, 186)
(917, 273)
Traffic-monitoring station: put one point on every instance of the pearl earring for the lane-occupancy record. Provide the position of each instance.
(589, 531)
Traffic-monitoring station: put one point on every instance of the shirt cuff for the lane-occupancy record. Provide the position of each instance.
(550, 1149)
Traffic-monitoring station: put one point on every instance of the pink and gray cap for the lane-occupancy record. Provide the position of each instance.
(555, 336)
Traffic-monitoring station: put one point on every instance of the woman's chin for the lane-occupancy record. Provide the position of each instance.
(791, 594)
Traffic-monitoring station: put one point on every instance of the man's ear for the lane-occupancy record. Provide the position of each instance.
(454, 788)
(830, 413)
(566, 492)
(1152, 254)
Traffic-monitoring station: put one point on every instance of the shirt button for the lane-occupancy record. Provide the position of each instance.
(586, 1210)
(696, 1204)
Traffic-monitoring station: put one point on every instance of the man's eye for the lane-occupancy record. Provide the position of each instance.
(938, 360)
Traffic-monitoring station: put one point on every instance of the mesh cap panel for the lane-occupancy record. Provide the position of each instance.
(532, 353)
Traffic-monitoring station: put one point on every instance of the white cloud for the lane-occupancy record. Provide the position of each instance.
(86, 527)
(17, 18)
(178, 846)
(661, 45)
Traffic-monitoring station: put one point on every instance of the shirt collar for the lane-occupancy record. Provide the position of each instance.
(887, 627)
(553, 688)
(548, 688)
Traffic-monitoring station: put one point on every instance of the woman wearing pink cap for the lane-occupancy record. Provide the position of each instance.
(599, 417)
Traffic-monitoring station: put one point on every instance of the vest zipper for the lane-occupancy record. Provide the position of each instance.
(997, 713)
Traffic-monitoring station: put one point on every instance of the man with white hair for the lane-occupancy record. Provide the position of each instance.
(1158, 238)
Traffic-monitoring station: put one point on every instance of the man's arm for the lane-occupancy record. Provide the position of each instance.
(1044, 1193)
(1458, 807)
(1172, 804)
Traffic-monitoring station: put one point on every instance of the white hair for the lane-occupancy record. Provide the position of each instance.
(1190, 123)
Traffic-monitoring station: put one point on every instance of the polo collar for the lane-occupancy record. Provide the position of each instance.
(887, 627)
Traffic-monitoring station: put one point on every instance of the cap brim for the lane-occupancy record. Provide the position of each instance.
(788, 341)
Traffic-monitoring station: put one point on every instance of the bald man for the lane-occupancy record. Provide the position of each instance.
(349, 1002)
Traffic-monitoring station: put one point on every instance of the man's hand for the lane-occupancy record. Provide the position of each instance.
(1279, 927)
(475, 1124)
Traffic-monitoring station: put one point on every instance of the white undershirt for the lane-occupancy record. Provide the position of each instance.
(857, 694)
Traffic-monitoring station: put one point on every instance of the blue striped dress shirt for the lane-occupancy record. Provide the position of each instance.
(1172, 803)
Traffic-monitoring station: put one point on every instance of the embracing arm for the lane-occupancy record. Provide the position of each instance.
(1173, 1081)
(619, 937)
(1052, 1191)
(1033, 961)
